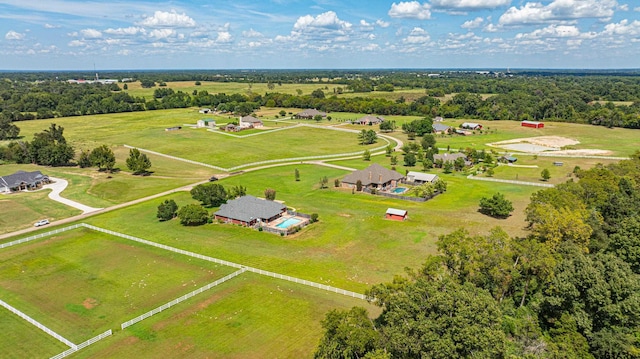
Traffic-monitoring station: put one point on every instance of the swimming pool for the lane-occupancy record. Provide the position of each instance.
(288, 223)
(399, 190)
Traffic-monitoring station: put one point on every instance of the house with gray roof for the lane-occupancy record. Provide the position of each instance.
(374, 176)
(440, 128)
(309, 114)
(451, 157)
(250, 121)
(22, 180)
(370, 120)
(249, 211)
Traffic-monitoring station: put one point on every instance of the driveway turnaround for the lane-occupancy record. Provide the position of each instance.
(58, 185)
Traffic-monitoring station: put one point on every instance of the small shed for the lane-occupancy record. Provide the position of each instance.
(174, 128)
(396, 214)
(558, 164)
(532, 124)
(205, 110)
(207, 122)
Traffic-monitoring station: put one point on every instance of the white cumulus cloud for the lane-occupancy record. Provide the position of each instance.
(124, 31)
(224, 36)
(472, 24)
(252, 33)
(90, 34)
(410, 10)
(558, 10)
(469, 4)
(162, 33)
(168, 19)
(624, 27)
(14, 35)
(327, 20)
(49, 26)
(552, 31)
(417, 36)
(382, 23)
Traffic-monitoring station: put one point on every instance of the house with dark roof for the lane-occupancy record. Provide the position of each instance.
(370, 120)
(309, 114)
(250, 122)
(249, 211)
(439, 128)
(22, 180)
(374, 176)
(451, 157)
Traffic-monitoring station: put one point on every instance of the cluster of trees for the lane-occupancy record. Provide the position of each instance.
(48, 148)
(569, 289)
(367, 137)
(540, 96)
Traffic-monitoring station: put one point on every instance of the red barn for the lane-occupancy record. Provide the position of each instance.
(532, 124)
(396, 214)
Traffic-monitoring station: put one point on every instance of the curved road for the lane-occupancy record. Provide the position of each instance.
(57, 186)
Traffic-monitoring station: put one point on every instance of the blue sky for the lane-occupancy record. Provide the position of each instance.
(284, 34)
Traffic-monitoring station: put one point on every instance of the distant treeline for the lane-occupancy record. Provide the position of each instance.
(567, 98)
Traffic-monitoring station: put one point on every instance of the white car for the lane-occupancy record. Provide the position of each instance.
(42, 222)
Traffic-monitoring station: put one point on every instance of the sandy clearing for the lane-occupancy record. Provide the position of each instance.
(547, 141)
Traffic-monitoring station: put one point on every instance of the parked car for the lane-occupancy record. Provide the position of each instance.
(42, 222)
(213, 178)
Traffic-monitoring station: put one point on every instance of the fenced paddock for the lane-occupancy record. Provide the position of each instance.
(75, 347)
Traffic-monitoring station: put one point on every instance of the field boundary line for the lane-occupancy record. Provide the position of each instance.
(83, 345)
(523, 183)
(38, 325)
(231, 264)
(178, 300)
(40, 235)
(386, 139)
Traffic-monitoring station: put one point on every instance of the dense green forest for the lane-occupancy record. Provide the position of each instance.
(571, 289)
(584, 98)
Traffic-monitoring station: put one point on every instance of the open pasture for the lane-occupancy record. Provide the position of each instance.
(134, 88)
(351, 247)
(21, 340)
(147, 130)
(620, 141)
(20, 210)
(81, 283)
(248, 317)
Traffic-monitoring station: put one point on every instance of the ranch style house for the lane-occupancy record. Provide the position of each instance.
(249, 211)
(374, 176)
(21, 181)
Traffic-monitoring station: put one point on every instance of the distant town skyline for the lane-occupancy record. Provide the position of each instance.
(290, 34)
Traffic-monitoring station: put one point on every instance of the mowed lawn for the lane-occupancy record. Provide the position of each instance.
(81, 283)
(352, 246)
(21, 340)
(20, 210)
(250, 316)
(147, 130)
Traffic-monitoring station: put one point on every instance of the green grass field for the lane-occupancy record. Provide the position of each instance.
(146, 130)
(334, 251)
(21, 210)
(98, 281)
(247, 317)
(20, 339)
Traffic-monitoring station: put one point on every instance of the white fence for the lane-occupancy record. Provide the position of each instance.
(41, 235)
(523, 183)
(181, 299)
(82, 345)
(38, 325)
(231, 264)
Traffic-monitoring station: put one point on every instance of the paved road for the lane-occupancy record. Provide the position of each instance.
(57, 186)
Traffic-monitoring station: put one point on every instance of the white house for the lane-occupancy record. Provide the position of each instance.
(420, 177)
(207, 122)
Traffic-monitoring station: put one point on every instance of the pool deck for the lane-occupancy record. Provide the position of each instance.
(274, 224)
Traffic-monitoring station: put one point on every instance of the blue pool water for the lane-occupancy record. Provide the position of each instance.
(399, 190)
(288, 223)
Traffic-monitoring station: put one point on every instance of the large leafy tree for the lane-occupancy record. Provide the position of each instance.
(50, 148)
(8, 130)
(192, 215)
(138, 162)
(167, 210)
(348, 334)
(103, 158)
(209, 194)
(496, 206)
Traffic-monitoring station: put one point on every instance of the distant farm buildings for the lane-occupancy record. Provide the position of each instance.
(250, 122)
(207, 122)
(471, 126)
(532, 124)
(369, 120)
